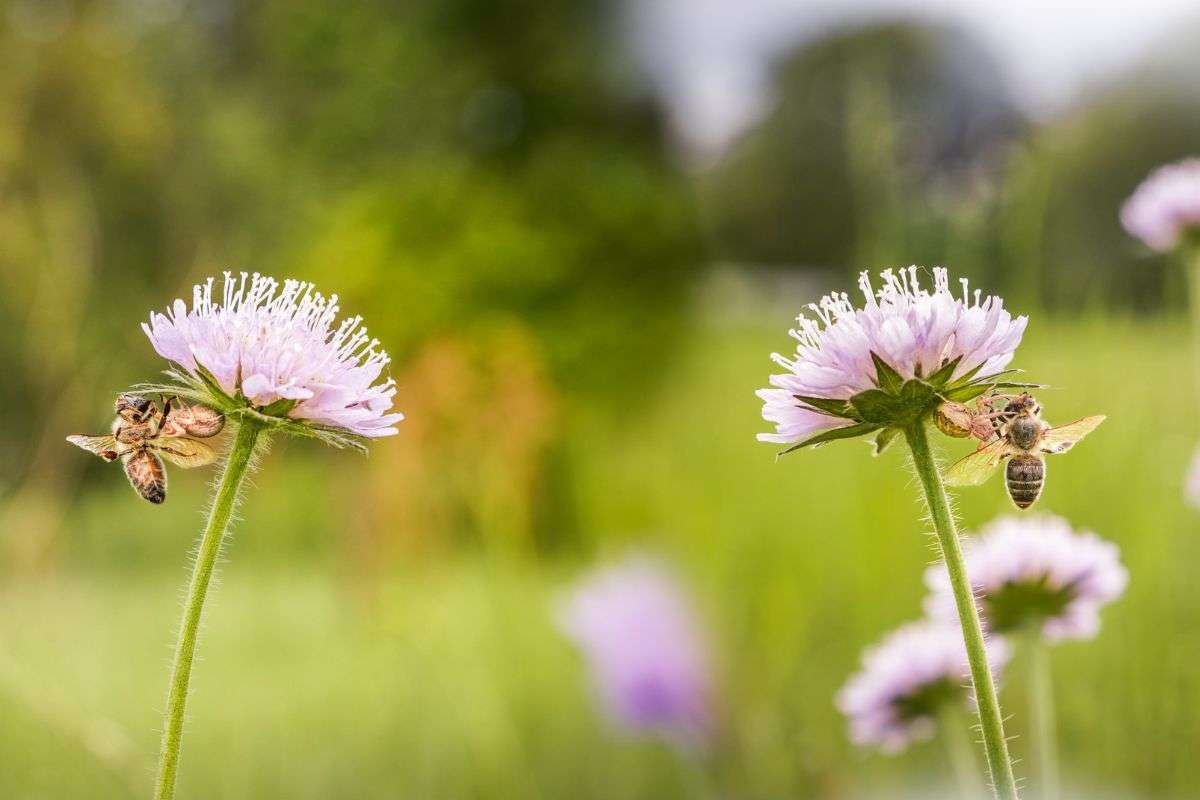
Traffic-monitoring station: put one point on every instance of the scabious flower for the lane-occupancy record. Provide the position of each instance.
(282, 347)
(1166, 205)
(649, 661)
(905, 682)
(1035, 571)
(913, 330)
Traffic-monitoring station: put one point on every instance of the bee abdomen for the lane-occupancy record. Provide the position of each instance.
(1025, 476)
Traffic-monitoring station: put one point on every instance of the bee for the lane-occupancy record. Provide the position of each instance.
(1022, 438)
(143, 434)
(983, 421)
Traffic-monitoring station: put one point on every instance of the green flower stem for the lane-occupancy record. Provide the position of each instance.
(991, 723)
(1041, 701)
(236, 467)
(955, 733)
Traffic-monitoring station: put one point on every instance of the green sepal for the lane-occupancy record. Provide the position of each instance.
(884, 439)
(835, 408)
(898, 409)
(877, 406)
(279, 408)
(886, 378)
(1013, 385)
(964, 393)
(942, 376)
(834, 434)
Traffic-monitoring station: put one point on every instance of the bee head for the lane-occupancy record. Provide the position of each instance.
(132, 407)
(1024, 404)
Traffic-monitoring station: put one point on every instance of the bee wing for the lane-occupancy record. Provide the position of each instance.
(977, 467)
(146, 475)
(1064, 437)
(103, 446)
(186, 453)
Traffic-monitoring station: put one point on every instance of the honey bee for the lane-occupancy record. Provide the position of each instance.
(142, 432)
(1022, 438)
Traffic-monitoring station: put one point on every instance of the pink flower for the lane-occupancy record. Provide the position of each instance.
(914, 330)
(1035, 571)
(647, 653)
(1165, 205)
(271, 343)
(905, 681)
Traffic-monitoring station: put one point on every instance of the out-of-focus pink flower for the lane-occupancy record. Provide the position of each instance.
(281, 343)
(914, 330)
(1165, 205)
(1191, 486)
(906, 680)
(649, 661)
(1035, 571)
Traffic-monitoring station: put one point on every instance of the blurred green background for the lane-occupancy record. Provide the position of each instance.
(579, 304)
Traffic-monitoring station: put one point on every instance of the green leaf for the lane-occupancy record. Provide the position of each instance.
(877, 406)
(938, 379)
(885, 438)
(848, 432)
(887, 378)
(836, 408)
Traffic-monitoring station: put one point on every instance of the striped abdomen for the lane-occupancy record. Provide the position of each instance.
(1025, 476)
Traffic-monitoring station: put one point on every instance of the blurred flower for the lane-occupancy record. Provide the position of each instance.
(1191, 486)
(1165, 206)
(1035, 571)
(281, 351)
(905, 682)
(912, 330)
(647, 653)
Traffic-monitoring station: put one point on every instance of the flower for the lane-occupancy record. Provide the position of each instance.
(1035, 571)
(913, 331)
(281, 346)
(1191, 486)
(906, 680)
(1165, 206)
(648, 658)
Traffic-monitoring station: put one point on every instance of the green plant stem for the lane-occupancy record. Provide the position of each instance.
(236, 467)
(955, 733)
(991, 723)
(1041, 702)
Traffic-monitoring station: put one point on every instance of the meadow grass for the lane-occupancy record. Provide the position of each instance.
(446, 679)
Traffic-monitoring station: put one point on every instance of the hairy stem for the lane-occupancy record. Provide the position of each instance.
(236, 467)
(990, 722)
(1041, 701)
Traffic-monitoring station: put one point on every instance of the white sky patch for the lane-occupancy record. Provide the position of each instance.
(710, 57)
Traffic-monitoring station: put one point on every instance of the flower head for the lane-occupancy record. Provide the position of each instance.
(282, 350)
(1165, 206)
(646, 650)
(1035, 571)
(905, 681)
(901, 333)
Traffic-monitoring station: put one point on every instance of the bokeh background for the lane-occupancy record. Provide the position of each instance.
(580, 228)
